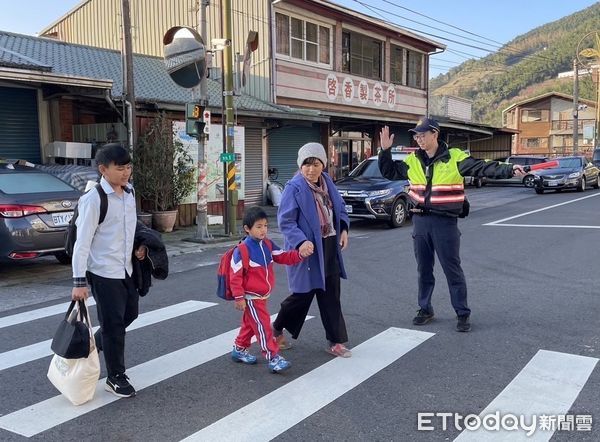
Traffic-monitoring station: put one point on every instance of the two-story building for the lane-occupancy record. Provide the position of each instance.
(545, 125)
(353, 71)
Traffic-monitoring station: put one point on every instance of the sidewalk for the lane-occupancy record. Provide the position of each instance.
(181, 241)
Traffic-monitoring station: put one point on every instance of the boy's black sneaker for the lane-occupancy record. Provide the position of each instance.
(423, 317)
(463, 324)
(119, 385)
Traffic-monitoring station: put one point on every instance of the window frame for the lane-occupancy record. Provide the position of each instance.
(347, 56)
(319, 45)
(408, 77)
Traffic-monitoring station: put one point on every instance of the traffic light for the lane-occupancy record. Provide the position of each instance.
(193, 119)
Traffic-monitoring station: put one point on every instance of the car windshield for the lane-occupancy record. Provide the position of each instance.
(569, 163)
(596, 156)
(367, 169)
(21, 183)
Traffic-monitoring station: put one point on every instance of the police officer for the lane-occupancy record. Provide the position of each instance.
(437, 192)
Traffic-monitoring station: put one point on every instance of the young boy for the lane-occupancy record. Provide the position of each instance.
(251, 288)
(102, 256)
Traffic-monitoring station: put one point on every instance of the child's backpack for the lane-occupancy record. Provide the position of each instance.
(223, 284)
(71, 233)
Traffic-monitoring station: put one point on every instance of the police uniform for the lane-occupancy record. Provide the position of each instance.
(438, 196)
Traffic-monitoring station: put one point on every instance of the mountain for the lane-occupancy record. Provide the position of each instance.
(524, 67)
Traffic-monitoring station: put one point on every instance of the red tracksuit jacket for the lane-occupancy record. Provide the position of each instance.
(257, 281)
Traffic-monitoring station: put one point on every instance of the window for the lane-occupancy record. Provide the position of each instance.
(303, 40)
(414, 69)
(397, 65)
(361, 55)
(21, 183)
(535, 115)
(283, 37)
(533, 143)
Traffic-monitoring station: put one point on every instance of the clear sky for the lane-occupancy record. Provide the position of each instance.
(492, 21)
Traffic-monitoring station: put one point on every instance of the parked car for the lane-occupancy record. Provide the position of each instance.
(596, 157)
(523, 160)
(575, 172)
(35, 208)
(368, 194)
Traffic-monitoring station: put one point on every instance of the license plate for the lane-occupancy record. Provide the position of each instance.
(61, 219)
(348, 208)
(552, 183)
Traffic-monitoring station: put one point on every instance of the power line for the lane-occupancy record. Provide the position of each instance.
(504, 48)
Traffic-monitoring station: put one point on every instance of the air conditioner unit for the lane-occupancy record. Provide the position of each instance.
(68, 149)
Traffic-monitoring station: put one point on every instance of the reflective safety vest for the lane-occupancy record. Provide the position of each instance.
(439, 186)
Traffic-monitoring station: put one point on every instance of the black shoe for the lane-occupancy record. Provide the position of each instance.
(463, 324)
(423, 317)
(119, 386)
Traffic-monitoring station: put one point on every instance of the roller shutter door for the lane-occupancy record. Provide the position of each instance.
(253, 167)
(19, 127)
(283, 148)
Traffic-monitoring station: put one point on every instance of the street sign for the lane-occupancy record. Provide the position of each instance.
(227, 157)
(185, 56)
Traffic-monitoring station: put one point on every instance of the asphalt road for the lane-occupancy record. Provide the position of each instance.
(534, 345)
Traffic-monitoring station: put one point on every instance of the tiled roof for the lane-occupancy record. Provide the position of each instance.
(152, 83)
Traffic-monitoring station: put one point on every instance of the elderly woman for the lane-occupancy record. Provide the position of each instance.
(313, 218)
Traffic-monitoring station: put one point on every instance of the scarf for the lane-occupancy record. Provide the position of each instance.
(323, 202)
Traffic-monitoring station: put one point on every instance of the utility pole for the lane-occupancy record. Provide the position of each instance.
(228, 94)
(129, 93)
(202, 189)
(597, 131)
(575, 106)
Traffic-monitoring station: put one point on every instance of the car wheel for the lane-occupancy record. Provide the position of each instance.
(529, 181)
(581, 186)
(63, 258)
(597, 183)
(398, 213)
(539, 190)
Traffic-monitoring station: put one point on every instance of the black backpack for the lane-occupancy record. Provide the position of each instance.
(71, 233)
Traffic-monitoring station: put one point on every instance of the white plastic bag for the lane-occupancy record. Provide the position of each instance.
(76, 379)
(274, 192)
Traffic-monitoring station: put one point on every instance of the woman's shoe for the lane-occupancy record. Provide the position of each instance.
(339, 350)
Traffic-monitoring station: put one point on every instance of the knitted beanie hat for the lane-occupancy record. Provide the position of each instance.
(312, 150)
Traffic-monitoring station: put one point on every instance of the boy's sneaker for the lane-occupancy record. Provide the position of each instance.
(119, 385)
(339, 350)
(282, 342)
(240, 354)
(463, 324)
(423, 317)
(277, 364)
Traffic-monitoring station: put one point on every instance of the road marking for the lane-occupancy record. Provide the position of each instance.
(555, 226)
(264, 419)
(42, 349)
(496, 223)
(32, 315)
(547, 385)
(57, 410)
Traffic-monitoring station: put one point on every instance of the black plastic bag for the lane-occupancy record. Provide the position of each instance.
(72, 338)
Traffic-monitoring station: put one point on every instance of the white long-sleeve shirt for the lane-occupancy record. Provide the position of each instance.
(104, 249)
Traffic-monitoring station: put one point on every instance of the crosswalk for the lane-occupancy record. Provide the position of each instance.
(549, 383)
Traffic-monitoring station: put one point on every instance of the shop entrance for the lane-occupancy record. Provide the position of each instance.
(346, 151)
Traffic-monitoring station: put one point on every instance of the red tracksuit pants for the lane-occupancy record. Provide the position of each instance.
(256, 321)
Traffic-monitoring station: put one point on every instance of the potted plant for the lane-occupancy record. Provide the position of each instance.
(163, 172)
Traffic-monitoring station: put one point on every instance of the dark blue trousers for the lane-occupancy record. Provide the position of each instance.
(434, 234)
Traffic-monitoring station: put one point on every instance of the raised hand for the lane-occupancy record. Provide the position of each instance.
(385, 140)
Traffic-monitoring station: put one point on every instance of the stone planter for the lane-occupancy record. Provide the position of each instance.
(164, 221)
(145, 219)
